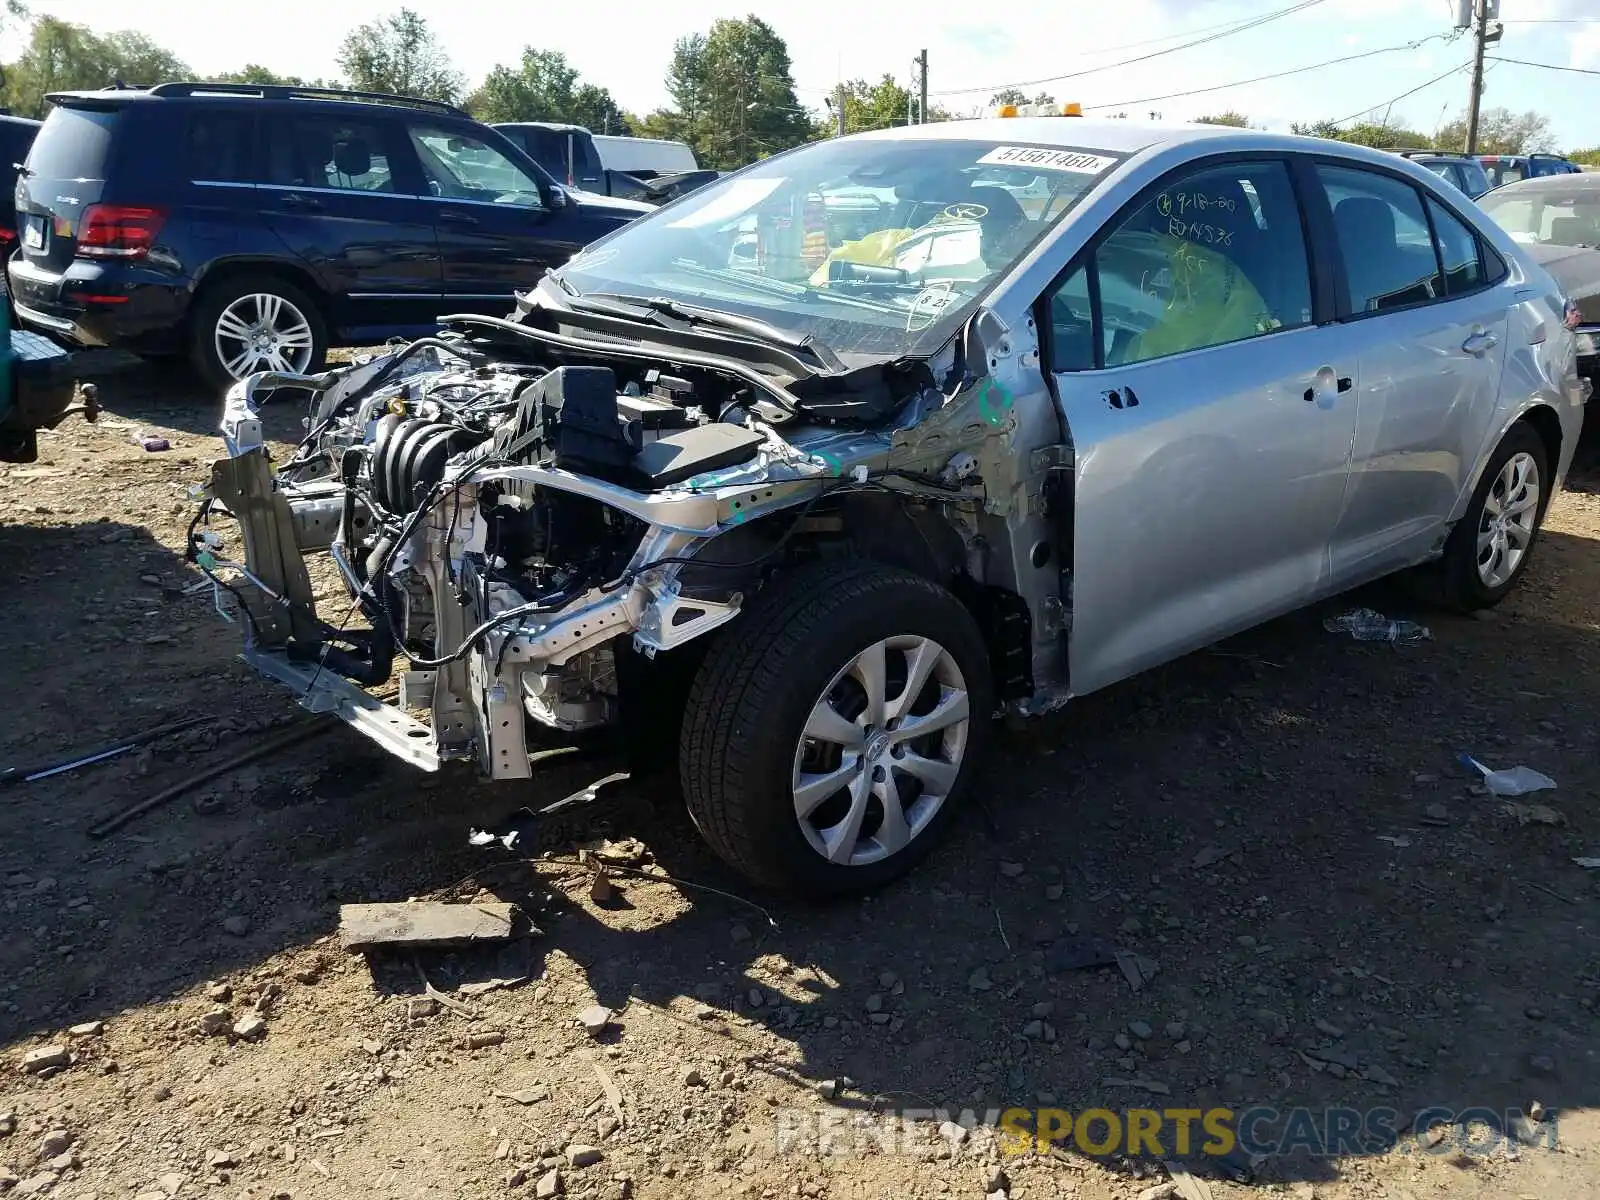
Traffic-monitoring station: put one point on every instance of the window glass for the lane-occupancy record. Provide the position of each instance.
(1475, 179)
(1072, 325)
(459, 166)
(74, 143)
(1458, 250)
(1218, 256)
(328, 152)
(1383, 239)
(221, 147)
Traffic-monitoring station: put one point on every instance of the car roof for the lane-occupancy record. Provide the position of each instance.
(8, 119)
(1580, 181)
(1123, 137)
(215, 93)
(554, 126)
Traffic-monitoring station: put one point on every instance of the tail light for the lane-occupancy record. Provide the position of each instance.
(119, 231)
(1570, 316)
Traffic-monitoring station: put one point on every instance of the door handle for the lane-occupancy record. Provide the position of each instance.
(308, 203)
(1326, 381)
(457, 218)
(1480, 342)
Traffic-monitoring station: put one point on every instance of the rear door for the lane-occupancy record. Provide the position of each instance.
(344, 194)
(1421, 309)
(496, 235)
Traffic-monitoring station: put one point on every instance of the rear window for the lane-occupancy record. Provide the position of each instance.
(547, 148)
(74, 144)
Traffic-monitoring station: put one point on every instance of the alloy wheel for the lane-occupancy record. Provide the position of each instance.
(881, 750)
(1510, 512)
(261, 331)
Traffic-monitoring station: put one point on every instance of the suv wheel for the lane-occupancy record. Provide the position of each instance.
(831, 732)
(256, 323)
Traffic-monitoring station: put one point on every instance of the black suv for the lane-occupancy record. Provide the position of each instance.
(250, 228)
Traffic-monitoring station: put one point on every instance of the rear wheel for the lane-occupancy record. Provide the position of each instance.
(832, 731)
(254, 323)
(1489, 547)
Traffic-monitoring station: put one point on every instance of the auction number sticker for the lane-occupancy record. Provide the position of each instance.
(1047, 160)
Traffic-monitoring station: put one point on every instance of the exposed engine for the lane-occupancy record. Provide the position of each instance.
(509, 520)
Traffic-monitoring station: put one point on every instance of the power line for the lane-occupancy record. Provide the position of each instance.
(1251, 23)
(1403, 95)
(1554, 21)
(1221, 87)
(1522, 62)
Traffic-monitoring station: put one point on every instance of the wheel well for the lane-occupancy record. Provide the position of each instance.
(882, 527)
(1547, 425)
(225, 272)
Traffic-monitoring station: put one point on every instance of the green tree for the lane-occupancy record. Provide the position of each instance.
(1500, 131)
(1366, 134)
(870, 106)
(397, 54)
(733, 94)
(1017, 96)
(61, 56)
(137, 59)
(1229, 117)
(1591, 155)
(544, 87)
(255, 73)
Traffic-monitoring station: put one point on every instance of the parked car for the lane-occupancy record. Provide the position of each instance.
(644, 158)
(1556, 220)
(1509, 168)
(253, 227)
(805, 523)
(1461, 170)
(591, 161)
(16, 138)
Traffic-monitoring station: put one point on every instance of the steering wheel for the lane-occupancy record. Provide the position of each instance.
(966, 211)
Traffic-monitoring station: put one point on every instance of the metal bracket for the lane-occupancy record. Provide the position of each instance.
(320, 690)
(671, 620)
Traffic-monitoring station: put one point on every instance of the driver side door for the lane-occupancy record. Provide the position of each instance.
(493, 228)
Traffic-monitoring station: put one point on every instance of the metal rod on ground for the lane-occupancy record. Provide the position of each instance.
(293, 737)
(122, 745)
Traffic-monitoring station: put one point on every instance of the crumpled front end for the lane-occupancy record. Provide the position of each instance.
(495, 534)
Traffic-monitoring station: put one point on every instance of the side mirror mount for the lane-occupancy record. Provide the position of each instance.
(558, 196)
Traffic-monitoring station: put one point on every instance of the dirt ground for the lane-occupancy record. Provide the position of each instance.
(1335, 915)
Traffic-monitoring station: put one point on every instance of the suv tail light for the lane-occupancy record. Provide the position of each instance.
(119, 230)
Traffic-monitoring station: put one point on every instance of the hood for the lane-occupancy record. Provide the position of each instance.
(1576, 269)
(609, 206)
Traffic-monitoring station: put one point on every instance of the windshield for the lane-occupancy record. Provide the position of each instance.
(1503, 171)
(874, 247)
(1567, 216)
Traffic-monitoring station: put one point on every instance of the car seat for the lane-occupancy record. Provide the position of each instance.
(351, 157)
(1372, 252)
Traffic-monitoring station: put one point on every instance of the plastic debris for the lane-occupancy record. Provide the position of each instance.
(1512, 781)
(155, 443)
(1588, 864)
(1369, 625)
(1398, 841)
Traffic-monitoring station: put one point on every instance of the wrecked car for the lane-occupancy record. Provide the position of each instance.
(804, 505)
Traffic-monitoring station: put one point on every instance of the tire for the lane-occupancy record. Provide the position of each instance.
(236, 297)
(792, 654)
(1456, 580)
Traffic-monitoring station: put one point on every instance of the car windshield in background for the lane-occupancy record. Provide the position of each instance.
(1565, 215)
(876, 248)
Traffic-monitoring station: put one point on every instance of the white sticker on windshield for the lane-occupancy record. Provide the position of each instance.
(737, 198)
(1047, 160)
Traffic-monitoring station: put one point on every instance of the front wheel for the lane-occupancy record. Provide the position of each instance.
(832, 731)
(256, 323)
(1489, 547)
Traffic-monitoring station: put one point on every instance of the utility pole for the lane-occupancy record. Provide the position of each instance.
(922, 88)
(1483, 11)
(838, 112)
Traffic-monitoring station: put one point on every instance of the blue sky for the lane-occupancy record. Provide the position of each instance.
(972, 48)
